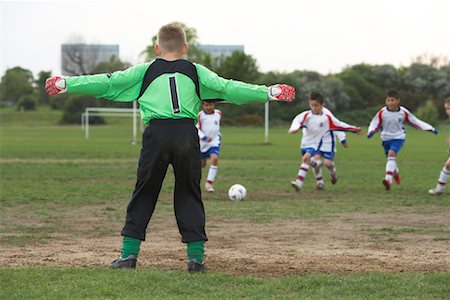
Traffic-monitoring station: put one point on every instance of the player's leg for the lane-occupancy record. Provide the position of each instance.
(188, 205)
(443, 178)
(303, 170)
(391, 148)
(320, 184)
(151, 171)
(212, 173)
(329, 164)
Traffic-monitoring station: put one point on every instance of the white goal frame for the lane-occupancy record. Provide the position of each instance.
(111, 112)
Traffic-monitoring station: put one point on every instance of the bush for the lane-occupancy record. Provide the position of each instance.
(75, 106)
(27, 102)
(254, 120)
(428, 112)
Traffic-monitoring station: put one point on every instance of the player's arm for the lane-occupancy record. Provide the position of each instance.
(212, 86)
(341, 136)
(338, 125)
(297, 123)
(201, 134)
(118, 86)
(375, 124)
(417, 123)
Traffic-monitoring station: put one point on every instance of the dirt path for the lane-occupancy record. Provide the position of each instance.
(349, 243)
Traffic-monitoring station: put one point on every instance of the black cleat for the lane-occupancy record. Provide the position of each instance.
(195, 267)
(124, 263)
(387, 184)
(333, 179)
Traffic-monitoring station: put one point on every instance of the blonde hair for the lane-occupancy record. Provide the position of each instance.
(171, 37)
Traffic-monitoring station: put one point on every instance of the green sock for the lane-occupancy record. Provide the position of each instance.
(130, 246)
(196, 250)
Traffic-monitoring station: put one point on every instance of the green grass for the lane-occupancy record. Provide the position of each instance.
(48, 172)
(94, 283)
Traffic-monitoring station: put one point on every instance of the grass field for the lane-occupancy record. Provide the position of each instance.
(63, 201)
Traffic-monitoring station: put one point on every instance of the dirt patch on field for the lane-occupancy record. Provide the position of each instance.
(397, 242)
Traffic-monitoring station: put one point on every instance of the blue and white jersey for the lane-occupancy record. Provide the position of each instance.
(318, 129)
(390, 123)
(209, 127)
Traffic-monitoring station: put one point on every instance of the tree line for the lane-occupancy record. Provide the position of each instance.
(354, 94)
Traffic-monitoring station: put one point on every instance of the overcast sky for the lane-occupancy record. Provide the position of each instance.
(283, 35)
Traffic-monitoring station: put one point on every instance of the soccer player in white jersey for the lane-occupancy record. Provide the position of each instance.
(210, 138)
(389, 121)
(331, 140)
(317, 126)
(445, 173)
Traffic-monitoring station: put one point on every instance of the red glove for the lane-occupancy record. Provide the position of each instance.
(55, 85)
(281, 92)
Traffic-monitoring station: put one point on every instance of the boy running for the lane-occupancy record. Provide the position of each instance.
(445, 173)
(318, 125)
(389, 121)
(169, 90)
(210, 138)
(330, 141)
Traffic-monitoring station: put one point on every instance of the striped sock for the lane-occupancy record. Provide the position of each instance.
(443, 177)
(318, 175)
(332, 170)
(391, 165)
(302, 173)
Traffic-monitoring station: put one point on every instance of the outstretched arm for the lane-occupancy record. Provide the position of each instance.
(212, 86)
(417, 123)
(118, 86)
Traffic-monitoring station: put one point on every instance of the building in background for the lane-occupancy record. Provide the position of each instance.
(80, 59)
(218, 51)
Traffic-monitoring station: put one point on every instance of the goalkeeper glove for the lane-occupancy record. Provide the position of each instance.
(55, 85)
(281, 92)
(435, 131)
(370, 134)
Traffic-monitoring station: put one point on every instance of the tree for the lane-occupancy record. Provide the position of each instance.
(114, 64)
(16, 82)
(428, 112)
(239, 66)
(40, 85)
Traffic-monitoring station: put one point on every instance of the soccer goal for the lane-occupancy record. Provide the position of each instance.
(111, 112)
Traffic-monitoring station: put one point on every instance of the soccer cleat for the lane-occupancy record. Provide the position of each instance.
(320, 185)
(387, 184)
(195, 267)
(124, 263)
(333, 178)
(436, 191)
(209, 187)
(296, 186)
(397, 178)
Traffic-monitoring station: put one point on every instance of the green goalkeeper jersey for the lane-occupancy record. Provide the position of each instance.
(166, 89)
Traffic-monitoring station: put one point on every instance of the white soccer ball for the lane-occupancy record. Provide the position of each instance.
(237, 192)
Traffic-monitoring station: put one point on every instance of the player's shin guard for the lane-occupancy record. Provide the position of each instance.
(130, 246)
(332, 169)
(391, 165)
(443, 177)
(318, 175)
(196, 250)
(211, 174)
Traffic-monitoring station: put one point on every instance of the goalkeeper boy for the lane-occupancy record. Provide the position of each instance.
(169, 90)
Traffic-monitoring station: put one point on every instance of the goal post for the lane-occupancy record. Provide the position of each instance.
(111, 112)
